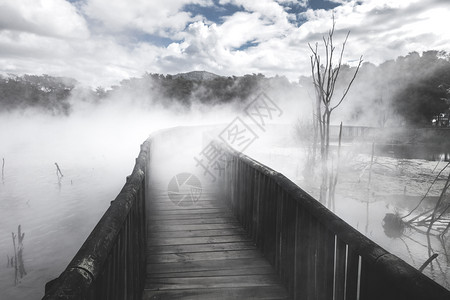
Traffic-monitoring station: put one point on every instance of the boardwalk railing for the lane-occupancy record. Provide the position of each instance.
(315, 253)
(111, 264)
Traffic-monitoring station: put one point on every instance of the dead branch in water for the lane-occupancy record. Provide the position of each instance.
(19, 267)
(16, 279)
(435, 220)
(334, 177)
(58, 171)
(427, 262)
(438, 204)
(371, 163)
(20, 236)
(423, 198)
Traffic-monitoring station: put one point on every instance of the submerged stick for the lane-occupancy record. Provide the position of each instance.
(58, 171)
(428, 261)
(20, 237)
(15, 259)
(436, 165)
(334, 183)
(371, 163)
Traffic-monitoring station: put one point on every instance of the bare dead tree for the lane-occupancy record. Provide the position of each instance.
(325, 75)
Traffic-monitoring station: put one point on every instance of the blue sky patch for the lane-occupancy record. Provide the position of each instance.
(247, 45)
(214, 13)
(322, 4)
(130, 38)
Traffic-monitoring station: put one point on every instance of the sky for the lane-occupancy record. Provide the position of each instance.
(101, 42)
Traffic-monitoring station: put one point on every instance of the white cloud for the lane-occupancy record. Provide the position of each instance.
(43, 17)
(53, 37)
(154, 17)
(303, 3)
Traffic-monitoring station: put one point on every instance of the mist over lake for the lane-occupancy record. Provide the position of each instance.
(356, 112)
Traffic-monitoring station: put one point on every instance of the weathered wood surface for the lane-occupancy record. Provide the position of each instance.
(199, 251)
(202, 252)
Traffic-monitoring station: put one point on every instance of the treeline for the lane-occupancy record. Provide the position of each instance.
(407, 91)
(47, 93)
(53, 94)
(202, 87)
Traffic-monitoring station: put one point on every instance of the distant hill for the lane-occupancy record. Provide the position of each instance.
(197, 76)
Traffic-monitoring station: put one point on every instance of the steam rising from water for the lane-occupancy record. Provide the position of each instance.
(95, 147)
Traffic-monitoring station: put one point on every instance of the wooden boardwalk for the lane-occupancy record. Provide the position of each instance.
(202, 252)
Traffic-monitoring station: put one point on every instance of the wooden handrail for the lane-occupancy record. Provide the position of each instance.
(111, 264)
(316, 254)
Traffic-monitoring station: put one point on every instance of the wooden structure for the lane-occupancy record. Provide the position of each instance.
(252, 235)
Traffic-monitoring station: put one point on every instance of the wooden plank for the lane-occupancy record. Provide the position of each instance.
(372, 279)
(198, 205)
(217, 220)
(267, 270)
(161, 191)
(291, 221)
(227, 246)
(211, 282)
(190, 215)
(206, 265)
(197, 233)
(197, 240)
(158, 190)
(153, 228)
(193, 256)
(351, 289)
(341, 256)
(183, 211)
(312, 264)
(165, 198)
(301, 256)
(263, 293)
(325, 262)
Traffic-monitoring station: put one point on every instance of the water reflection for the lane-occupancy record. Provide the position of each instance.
(410, 151)
(397, 186)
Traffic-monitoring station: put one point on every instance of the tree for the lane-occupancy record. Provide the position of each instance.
(324, 76)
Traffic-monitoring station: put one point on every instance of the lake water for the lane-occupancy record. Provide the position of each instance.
(427, 152)
(365, 208)
(56, 215)
(95, 154)
(95, 150)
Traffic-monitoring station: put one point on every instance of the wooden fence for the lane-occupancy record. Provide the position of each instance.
(111, 264)
(316, 254)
